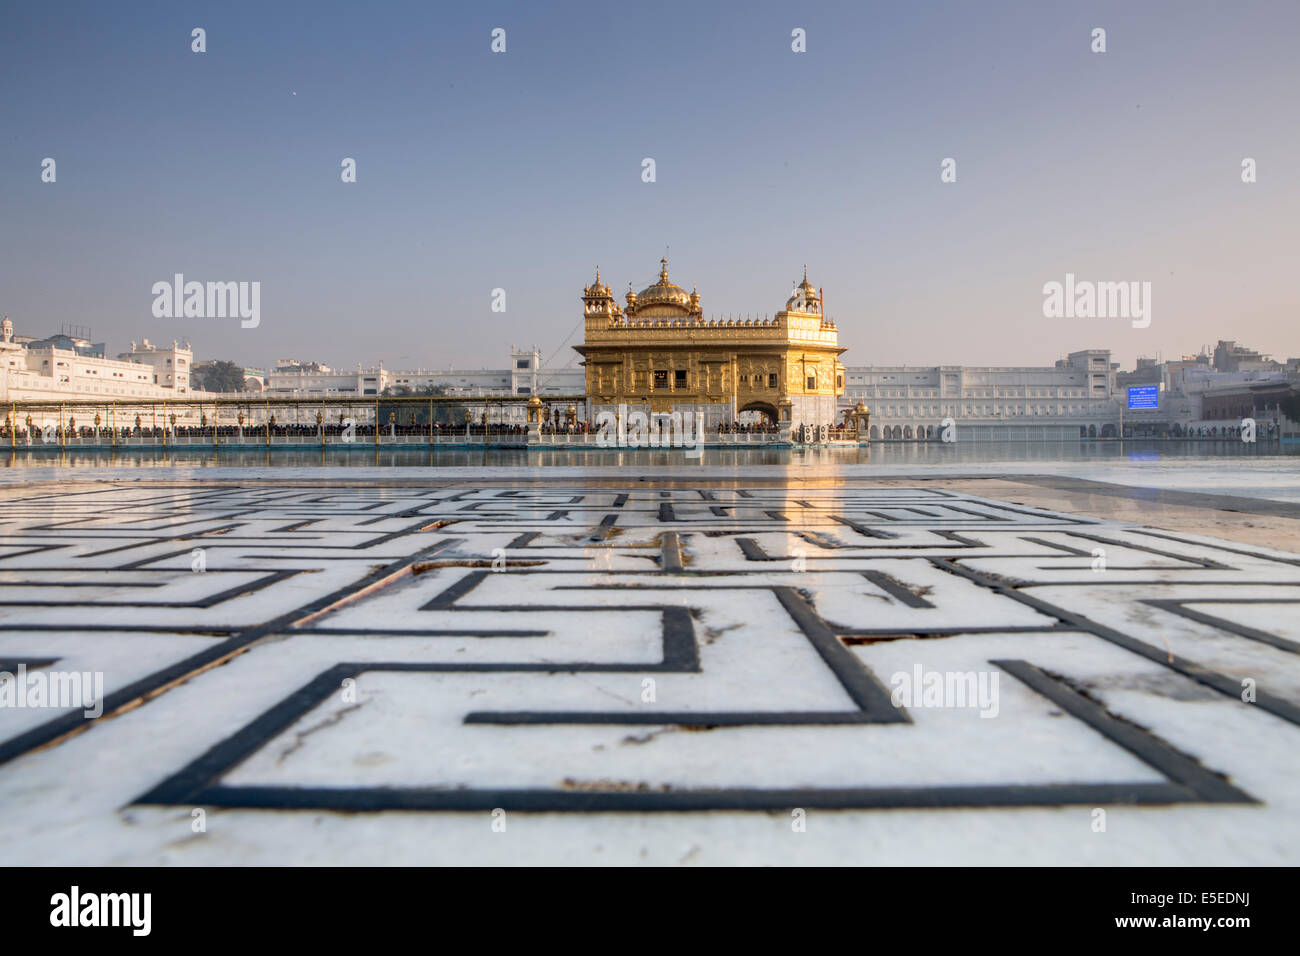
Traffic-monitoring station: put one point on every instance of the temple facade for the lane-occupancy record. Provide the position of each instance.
(659, 355)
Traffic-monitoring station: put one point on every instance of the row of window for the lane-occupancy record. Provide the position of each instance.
(975, 393)
(105, 390)
(892, 411)
(429, 381)
(679, 380)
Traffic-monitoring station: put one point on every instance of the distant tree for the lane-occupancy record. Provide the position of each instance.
(406, 391)
(220, 376)
(1290, 405)
(446, 414)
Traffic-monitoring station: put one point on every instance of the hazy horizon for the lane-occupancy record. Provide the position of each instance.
(522, 171)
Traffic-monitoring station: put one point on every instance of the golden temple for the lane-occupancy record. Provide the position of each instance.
(659, 354)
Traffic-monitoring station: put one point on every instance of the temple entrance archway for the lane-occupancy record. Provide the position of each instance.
(766, 410)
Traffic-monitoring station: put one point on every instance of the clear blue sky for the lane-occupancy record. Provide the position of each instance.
(523, 170)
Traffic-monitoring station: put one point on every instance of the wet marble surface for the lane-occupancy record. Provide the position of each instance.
(641, 671)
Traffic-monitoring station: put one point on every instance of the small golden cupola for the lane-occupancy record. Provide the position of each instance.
(805, 298)
(598, 300)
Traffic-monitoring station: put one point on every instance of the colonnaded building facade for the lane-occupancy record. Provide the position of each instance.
(1075, 398)
(659, 355)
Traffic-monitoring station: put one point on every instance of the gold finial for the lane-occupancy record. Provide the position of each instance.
(663, 271)
(805, 272)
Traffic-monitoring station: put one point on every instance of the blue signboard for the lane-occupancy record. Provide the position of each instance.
(1144, 396)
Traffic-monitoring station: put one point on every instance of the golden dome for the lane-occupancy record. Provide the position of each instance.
(664, 299)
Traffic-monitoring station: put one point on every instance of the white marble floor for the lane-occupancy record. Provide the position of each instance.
(590, 672)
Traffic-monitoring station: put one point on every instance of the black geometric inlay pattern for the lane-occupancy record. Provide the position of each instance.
(841, 570)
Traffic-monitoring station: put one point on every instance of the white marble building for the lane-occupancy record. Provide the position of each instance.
(49, 373)
(1076, 397)
(525, 376)
(294, 379)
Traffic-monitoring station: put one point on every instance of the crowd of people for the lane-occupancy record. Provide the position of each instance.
(316, 431)
(748, 428)
(570, 428)
(36, 433)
